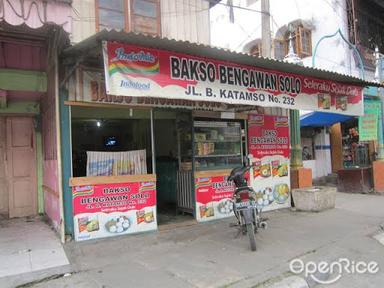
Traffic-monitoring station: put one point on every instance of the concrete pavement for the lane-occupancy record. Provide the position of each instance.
(209, 255)
(28, 246)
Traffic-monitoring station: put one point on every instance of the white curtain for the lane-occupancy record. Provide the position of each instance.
(116, 163)
(323, 154)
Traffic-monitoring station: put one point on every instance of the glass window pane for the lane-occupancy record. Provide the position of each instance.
(112, 4)
(111, 19)
(145, 8)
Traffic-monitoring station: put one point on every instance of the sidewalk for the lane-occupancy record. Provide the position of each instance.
(29, 248)
(208, 255)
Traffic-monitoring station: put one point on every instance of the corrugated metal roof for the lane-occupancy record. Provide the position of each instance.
(91, 47)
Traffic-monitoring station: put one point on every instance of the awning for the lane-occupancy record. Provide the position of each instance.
(321, 119)
(90, 50)
(142, 66)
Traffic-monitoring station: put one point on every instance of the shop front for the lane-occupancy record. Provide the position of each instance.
(360, 139)
(157, 131)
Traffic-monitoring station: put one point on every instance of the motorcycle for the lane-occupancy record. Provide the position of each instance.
(245, 207)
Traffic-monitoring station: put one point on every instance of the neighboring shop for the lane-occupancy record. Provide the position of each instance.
(343, 144)
(159, 130)
(29, 170)
(360, 137)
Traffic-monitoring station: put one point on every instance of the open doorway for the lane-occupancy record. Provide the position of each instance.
(167, 151)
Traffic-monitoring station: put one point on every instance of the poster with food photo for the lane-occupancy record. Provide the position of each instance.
(106, 210)
(324, 101)
(341, 103)
(268, 144)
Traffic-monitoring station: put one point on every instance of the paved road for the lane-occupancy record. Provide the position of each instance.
(208, 255)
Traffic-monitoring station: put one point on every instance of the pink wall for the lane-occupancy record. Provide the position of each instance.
(33, 55)
(32, 13)
(50, 168)
(51, 194)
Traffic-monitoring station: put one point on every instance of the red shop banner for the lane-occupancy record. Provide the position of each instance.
(213, 197)
(105, 210)
(144, 72)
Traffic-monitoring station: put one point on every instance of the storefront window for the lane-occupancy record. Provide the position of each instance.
(111, 130)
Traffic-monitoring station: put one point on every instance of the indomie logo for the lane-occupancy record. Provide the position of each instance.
(133, 57)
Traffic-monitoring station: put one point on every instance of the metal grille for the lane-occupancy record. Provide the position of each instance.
(184, 191)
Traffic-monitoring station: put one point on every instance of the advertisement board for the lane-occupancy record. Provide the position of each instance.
(369, 123)
(106, 210)
(143, 72)
(213, 197)
(268, 143)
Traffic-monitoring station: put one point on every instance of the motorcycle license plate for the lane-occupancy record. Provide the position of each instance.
(245, 205)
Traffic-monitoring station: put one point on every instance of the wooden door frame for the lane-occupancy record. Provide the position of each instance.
(7, 165)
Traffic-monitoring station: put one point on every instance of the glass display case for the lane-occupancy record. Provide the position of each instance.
(217, 145)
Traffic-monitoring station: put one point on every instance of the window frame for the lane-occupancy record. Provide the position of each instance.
(298, 41)
(301, 31)
(157, 19)
(125, 14)
(129, 14)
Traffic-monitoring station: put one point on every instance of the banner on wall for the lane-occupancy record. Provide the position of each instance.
(369, 123)
(213, 198)
(106, 210)
(143, 72)
(268, 143)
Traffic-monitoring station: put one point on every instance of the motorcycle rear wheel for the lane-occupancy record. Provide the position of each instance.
(251, 235)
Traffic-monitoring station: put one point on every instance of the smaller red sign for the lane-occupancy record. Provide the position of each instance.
(106, 210)
(213, 197)
(268, 136)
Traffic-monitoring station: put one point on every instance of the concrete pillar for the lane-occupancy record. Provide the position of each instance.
(296, 149)
(300, 177)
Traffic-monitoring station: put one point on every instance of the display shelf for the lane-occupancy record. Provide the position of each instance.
(217, 145)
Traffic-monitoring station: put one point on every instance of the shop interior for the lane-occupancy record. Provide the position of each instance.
(356, 153)
(182, 144)
(108, 130)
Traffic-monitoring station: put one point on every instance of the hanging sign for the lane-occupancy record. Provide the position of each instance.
(268, 143)
(106, 210)
(368, 124)
(144, 72)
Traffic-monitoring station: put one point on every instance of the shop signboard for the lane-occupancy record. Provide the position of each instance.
(152, 73)
(369, 123)
(105, 210)
(213, 197)
(268, 143)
